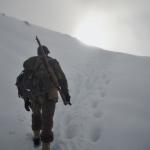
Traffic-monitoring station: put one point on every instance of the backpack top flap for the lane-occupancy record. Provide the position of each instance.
(30, 63)
(40, 82)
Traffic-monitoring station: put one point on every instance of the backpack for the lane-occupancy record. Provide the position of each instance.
(34, 80)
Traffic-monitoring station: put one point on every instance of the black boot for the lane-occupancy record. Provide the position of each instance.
(36, 142)
(36, 138)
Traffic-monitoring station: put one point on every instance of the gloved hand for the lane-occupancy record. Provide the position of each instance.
(67, 96)
(64, 88)
(27, 105)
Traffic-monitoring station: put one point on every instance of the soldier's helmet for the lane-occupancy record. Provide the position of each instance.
(46, 51)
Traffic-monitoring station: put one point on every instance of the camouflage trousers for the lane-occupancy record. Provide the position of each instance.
(42, 118)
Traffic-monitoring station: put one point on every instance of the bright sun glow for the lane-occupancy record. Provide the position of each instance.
(104, 30)
(93, 30)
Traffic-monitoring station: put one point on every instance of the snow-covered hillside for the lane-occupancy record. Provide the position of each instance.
(110, 93)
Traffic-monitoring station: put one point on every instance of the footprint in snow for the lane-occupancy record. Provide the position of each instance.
(103, 93)
(60, 145)
(95, 133)
(12, 132)
(95, 104)
(107, 81)
(98, 114)
(72, 131)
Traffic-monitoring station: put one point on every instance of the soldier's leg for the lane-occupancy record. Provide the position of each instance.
(48, 109)
(36, 122)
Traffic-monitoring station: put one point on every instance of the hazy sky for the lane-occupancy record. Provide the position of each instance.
(119, 24)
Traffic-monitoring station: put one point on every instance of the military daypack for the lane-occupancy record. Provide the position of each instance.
(34, 80)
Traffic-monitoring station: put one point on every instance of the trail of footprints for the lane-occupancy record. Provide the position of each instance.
(83, 128)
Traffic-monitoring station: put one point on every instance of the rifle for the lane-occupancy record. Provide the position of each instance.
(52, 75)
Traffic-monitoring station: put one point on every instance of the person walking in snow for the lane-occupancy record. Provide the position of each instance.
(40, 95)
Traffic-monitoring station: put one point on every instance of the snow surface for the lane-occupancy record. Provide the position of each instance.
(110, 93)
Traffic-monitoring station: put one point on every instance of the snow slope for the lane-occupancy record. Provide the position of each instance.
(110, 93)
